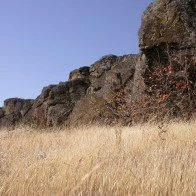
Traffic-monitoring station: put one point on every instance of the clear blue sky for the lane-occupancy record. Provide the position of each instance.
(41, 41)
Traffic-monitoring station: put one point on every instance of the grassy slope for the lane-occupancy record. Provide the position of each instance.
(141, 160)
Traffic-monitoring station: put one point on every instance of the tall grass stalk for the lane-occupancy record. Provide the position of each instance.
(99, 161)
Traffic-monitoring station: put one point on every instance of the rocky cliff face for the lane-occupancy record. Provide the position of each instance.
(85, 96)
(167, 40)
(113, 89)
(168, 21)
(55, 103)
(15, 110)
(107, 76)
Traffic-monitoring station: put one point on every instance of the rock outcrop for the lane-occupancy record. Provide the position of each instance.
(56, 102)
(167, 40)
(107, 76)
(85, 96)
(161, 79)
(2, 113)
(15, 110)
(82, 72)
(168, 21)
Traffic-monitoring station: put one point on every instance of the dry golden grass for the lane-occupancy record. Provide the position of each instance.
(140, 160)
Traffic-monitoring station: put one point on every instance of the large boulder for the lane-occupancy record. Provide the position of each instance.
(82, 72)
(17, 105)
(111, 73)
(15, 110)
(168, 21)
(56, 102)
(108, 76)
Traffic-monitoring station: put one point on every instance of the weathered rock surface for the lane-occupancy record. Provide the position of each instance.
(2, 113)
(82, 72)
(84, 98)
(168, 21)
(162, 78)
(107, 76)
(167, 39)
(15, 105)
(56, 102)
(14, 110)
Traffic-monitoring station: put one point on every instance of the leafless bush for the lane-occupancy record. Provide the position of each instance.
(170, 88)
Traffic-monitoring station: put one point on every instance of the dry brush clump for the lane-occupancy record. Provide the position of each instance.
(169, 87)
(139, 160)
(170, 80)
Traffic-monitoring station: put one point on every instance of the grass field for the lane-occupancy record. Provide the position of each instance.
(138, 160)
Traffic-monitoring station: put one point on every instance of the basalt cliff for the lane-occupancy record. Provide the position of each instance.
(159, 81)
